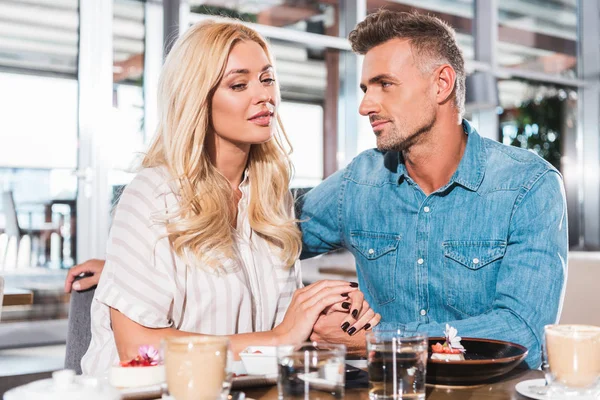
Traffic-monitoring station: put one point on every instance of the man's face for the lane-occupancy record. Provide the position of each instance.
(399, 98)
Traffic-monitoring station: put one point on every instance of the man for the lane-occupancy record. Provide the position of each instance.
(445, 226)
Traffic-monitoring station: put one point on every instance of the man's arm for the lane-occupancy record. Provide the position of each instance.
(532, 275)
(320, 217)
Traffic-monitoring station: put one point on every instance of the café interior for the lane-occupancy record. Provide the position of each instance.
(78, 88)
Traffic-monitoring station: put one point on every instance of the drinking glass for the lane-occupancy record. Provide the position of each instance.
(197, 367)
(311, 370)
(397, 364)
(571, 359)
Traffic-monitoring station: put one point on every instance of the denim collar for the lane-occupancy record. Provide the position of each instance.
(471, 168)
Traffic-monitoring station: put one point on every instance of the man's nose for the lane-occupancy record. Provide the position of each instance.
(368, 106)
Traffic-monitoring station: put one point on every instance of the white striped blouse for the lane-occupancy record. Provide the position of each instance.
(145, 280)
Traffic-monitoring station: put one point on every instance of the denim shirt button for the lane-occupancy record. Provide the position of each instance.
(423, 312)
(371, 251)
(420, 261)
(476, 261)
(426, 209)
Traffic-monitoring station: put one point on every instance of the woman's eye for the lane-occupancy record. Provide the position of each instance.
(239, 86)
(268, 81)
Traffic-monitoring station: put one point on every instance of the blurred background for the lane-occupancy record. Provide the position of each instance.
(78, 82)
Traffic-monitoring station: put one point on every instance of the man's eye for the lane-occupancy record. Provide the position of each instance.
(385, 84)
(268, 81)
(239, 86)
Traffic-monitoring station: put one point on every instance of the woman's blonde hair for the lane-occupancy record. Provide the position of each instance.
(200, 228)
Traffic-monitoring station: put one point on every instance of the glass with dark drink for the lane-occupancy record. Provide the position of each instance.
(397, 363)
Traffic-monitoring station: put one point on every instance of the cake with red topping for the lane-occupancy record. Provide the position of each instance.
(146, 369)
(451, 350)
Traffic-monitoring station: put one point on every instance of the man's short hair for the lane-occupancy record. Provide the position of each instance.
(432, 40)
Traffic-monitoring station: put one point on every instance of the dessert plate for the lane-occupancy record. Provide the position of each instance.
(485, 360)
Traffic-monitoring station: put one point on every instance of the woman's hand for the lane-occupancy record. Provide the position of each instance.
(93, 267)
(365, 319)
(360, 314)
(307, 305)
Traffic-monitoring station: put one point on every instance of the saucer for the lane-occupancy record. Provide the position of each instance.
(537, 389)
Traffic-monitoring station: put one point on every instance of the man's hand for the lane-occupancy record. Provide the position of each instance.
(93, 267)
(328, 329)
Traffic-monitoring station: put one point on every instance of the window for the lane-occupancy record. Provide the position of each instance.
(39, 36)
(307, 16)
(127, 119)
(538, 35)
(303, 123)
(38, 158)
(537, 117)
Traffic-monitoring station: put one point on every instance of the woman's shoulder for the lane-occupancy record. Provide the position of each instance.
(149, 186)
(151, 182)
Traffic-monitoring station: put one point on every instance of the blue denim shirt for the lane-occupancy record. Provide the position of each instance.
(486, 253)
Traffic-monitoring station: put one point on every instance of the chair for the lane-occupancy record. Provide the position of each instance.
(579, 306)
(11, 227)
(298, 195)
(79, 331)
(3, 248)
(1, 294)
(15, 233)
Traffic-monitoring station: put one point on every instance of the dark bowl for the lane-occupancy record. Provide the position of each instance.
(486, 360)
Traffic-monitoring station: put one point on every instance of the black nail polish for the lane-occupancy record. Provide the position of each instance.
(367, 326)
(351, 331)
(346, 305)
(353, 284)
(345, 326)
(354, 314)
(344, 294)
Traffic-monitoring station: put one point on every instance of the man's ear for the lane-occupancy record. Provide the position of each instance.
(445, 77)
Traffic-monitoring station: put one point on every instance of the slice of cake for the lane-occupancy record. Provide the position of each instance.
(144, 370)
(451, 350)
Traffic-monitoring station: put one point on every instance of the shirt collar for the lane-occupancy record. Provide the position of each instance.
(471, 168)
(245, 183)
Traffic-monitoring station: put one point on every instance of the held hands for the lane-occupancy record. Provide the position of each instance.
(307, 305)
(344, 328)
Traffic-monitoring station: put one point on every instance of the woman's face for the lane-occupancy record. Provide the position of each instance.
(245, 102)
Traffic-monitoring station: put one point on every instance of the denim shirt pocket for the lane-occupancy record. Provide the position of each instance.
(470, 274)
(376, 255)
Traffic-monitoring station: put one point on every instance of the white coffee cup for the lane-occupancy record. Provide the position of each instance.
(197, 367)
(572, 358)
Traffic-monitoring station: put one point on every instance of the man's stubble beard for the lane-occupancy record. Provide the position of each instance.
(396, 143)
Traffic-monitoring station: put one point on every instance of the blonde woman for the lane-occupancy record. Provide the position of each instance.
(203, 239)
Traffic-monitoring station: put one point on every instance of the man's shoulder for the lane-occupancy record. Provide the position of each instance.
(373, 167)
(513, 167)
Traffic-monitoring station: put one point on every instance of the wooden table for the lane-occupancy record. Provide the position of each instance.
(17, 297)
(502, 390)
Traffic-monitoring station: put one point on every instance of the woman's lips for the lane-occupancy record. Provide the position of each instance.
(263, 120)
